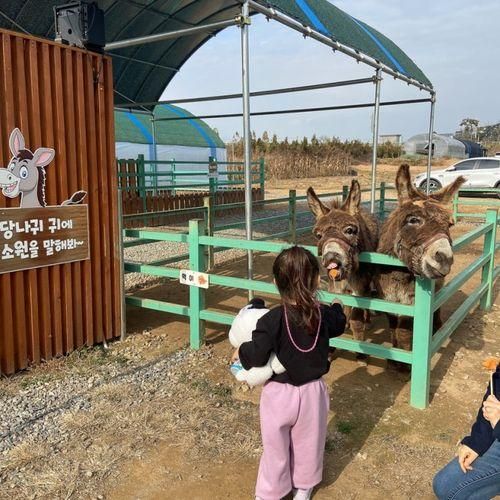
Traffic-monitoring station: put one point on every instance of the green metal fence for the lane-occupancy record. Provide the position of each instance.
(489, 198)
(155, 175)
(209, 212)
(427, 300)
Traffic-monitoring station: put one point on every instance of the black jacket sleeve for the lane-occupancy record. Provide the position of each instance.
(481, 436)
(334, 319)
(256, 352)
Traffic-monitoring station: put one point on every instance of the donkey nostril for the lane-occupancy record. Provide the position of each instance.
(443, 258)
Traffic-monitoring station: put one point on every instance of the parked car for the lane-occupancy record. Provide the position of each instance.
(479, 172)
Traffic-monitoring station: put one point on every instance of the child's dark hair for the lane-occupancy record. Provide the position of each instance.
(296, 272)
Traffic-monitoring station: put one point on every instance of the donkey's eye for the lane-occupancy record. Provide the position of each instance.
(23, 172)
(413, 220)
(318, 235)
(351, 230)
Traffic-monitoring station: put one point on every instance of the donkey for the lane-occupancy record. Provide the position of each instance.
(25, 174)
(343, 232)
(418, 233)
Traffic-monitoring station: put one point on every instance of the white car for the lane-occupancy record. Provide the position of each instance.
(479, 172)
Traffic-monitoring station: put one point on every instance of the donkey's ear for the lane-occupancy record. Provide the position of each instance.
(317, 208)
(43, 156)
(406, 191)
(16, 142)
(353, 201)
(446, 194)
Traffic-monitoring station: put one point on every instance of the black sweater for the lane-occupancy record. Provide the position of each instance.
(271, 335)
(482, 435)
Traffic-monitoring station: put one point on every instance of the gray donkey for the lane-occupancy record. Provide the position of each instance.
(25, 174)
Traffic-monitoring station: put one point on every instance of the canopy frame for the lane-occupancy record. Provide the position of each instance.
(244, 22)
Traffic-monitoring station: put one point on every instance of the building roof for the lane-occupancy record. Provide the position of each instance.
(142, 72)
(137, 128)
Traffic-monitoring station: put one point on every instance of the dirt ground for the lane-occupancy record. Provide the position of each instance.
(189, 431)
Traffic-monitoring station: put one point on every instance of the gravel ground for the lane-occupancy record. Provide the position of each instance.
(34, 412)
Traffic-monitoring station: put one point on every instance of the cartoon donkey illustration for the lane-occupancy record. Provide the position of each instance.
(25, 174)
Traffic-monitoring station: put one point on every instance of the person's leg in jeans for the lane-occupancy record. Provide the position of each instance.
(308, 436)
(481, 483)
(279, 404)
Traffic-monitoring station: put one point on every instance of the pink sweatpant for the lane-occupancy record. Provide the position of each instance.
(293, 425)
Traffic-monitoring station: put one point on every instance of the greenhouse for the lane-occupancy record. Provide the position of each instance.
(442, 145)
(183, 140)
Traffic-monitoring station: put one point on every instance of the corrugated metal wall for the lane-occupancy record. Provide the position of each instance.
(61, 97)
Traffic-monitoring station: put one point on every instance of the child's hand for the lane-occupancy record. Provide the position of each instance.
(337, 301)
(465, 457)
(236, 355)
(491, 410)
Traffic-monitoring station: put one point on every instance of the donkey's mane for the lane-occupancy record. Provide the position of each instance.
(40, 190)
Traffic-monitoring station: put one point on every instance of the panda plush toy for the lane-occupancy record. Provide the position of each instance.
(241, 330)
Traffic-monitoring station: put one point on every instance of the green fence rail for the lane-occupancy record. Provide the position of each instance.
(155, 175)
(490, 198)
(427, 300)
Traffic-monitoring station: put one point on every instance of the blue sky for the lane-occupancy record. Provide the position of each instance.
(455, 43)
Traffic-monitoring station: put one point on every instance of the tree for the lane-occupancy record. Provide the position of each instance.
(469, 128)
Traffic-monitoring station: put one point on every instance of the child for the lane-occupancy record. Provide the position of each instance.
(294, 405)
(475, 473)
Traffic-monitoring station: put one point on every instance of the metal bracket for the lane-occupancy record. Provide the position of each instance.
(242, 21)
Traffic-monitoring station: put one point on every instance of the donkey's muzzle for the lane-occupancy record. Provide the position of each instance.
(437, 258)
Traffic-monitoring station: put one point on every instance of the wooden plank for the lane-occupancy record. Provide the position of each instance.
(49, 132)
(95, 215)
(116, 267)
(106, 249)
(83, 182)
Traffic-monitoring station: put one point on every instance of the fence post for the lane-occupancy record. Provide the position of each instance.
(172, 176)
(490, 241)
(422, 337)
(141, 181)
(382, 199)
(455, 206)
(209, 210)
(197, 262)
(262, 177)
(292, 215)
(345, 192)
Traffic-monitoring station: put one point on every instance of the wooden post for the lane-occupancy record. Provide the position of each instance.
(210, 222)
(292, 215)
(172, 176)
(141, 180)
(197, 262)
(422, 338)
(382, 200)
(455, 206)
(262, 176)
(490, 241)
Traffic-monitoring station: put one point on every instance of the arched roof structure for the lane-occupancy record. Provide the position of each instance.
(142, 72)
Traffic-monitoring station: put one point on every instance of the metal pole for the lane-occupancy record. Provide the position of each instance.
(431, 137)
(376, 113)
(260, 93)
(154, 151)
(121, 258)
(297, 110)
(247, 145)
(141, 40)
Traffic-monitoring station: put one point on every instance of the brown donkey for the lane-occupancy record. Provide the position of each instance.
(418, 233)
(343, 232)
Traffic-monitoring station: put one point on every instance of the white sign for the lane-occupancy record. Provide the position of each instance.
(212, 170)
(193, 278)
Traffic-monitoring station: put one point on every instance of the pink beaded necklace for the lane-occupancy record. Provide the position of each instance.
(290, 333)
